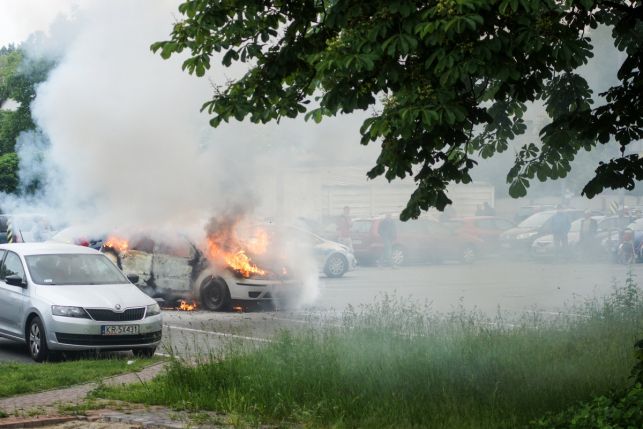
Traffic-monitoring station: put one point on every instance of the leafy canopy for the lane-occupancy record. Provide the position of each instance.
(19, 77)
(449, 79)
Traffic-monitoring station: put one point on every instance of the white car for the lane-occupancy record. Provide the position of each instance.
(58, 297)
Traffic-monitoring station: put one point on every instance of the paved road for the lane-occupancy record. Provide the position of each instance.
(513, 287)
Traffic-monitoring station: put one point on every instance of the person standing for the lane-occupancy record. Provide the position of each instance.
(388, 233)
(587, 236)
(344, 224)
(560, 226)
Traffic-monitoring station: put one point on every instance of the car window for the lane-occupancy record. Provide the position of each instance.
(503, 224)
(485, 223)
(12, 266)
(361, 226)
(179, 248)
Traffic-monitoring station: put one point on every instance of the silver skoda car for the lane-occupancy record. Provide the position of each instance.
(57, 297)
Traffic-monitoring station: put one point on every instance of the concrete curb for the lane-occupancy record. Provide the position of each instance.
(35, 422)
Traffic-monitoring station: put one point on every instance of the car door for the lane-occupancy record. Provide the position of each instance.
(172, 264)
(12, 298)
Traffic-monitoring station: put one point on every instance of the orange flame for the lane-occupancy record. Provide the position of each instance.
(119, 244)
(185, 306)
(238, 260)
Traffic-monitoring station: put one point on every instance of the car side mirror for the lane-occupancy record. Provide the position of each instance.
(15, 280)
(133, 278)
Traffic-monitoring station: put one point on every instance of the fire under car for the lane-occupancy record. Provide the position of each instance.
(173, 269)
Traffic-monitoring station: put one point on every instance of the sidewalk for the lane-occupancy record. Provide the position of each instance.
(74, 394)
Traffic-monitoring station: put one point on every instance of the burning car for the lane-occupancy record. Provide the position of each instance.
(226, 268)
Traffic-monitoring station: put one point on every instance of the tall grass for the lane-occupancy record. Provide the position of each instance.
(394, 364)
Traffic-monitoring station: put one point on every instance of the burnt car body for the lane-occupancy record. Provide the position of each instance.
(175, 269)
(420, 240)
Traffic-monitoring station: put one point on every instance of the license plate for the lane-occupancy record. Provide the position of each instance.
(119, 330)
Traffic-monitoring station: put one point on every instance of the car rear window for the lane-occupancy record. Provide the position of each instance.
(363, 226)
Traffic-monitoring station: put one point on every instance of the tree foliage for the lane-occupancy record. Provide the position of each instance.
(449, 80)
(19, 77)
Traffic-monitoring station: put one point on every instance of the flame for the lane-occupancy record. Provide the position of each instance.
(237, 309)
(226, 248)
(119, 244)
(185, 306)
(237, 260)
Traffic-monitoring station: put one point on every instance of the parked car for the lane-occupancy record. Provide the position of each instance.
(171, 268)
(333, 259)
(417, 240)
(486, 228)
(520, 238)
(525, 211)
(57, 297)
(544, 246)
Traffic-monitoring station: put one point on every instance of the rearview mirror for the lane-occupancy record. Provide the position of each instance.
(14, 280)
(133, 278)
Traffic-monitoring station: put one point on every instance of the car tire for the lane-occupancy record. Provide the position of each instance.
(398, 256)
(144, 353)
(336, 265)
(37, 340)
(214, 294)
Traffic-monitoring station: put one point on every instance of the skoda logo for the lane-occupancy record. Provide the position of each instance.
(118, 306)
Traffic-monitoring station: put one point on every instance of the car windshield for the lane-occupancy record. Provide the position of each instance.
(73, 269)
(536, 220)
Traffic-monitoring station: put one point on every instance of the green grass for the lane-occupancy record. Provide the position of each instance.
(20, 378)
(397, 365)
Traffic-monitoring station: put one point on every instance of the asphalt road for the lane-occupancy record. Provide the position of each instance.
(487, 286)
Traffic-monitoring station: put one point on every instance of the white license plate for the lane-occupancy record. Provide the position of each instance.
(119, 330)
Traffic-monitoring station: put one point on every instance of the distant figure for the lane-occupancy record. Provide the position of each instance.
(487, 210)
(560, 226)
(388, 233)
(344, 224)
(588, 229)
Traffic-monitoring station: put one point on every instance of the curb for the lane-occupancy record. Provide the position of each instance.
(36, 422)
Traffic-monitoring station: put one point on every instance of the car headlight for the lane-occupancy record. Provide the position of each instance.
(63, 310)
(152, 310)
(525, 235)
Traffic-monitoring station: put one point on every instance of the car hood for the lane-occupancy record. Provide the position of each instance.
(331, 246)
(513, 232)
(94, 296)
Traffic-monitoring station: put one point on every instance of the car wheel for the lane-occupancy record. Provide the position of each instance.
(398, 256)
(145, 353)
(469, 255)
(36, 340)
(336, 265)
(214, 294)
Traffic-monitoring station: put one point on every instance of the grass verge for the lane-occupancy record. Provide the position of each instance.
(397, 365)
(20, 378)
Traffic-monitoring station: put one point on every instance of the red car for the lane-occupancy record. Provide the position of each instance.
(486, 228)
(420, 240)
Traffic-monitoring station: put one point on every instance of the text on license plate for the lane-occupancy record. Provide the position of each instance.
(119, 330)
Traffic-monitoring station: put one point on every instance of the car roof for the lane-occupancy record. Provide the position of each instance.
(46, 248)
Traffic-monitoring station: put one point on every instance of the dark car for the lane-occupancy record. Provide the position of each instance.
(420, 240)
(520, 238)
(525, 211)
